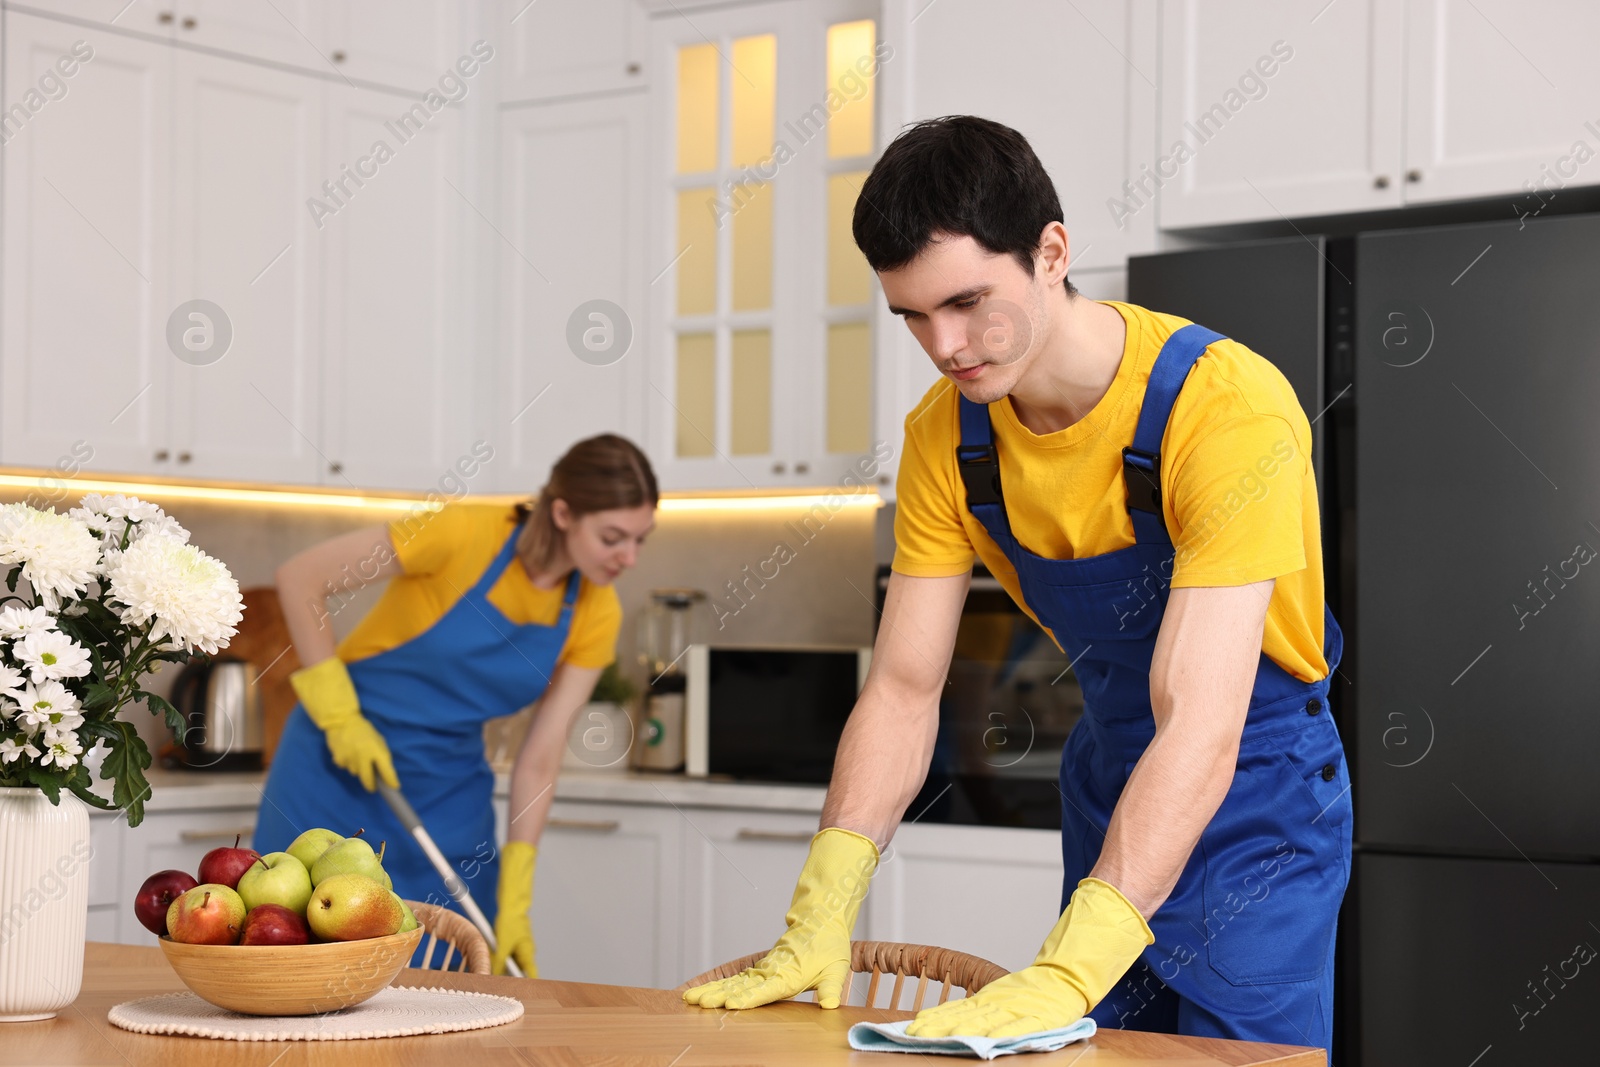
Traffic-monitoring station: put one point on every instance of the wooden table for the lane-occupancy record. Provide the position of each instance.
(567, 1024)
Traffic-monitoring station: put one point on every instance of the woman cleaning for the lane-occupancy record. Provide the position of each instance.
(491, 609)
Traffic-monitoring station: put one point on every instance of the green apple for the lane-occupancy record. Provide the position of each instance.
(350, 907)
(276, 878)
(350, 856)
(410, 922)
(209, 914)
(311, 844)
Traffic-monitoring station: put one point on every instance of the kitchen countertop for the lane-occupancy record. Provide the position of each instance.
(178, 790)
(564, 1022)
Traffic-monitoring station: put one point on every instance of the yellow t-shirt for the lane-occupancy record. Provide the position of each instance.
(1237, 485)
(444, 554)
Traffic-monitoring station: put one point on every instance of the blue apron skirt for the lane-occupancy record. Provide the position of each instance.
(1244, 944)
(429, 698)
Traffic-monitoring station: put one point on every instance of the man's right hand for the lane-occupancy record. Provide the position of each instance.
(814, 953)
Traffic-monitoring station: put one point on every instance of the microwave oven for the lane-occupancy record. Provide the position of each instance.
(770, 714)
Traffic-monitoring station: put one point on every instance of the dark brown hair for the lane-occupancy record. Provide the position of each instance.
(596, 474)
(959, 175)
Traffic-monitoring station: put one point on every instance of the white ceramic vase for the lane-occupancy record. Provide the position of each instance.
(44, 902)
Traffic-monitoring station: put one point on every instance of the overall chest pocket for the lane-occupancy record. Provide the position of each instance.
(1128, 609)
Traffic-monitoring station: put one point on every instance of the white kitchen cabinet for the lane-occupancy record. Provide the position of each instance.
(85, 367)
(1497, 101)
(280, 31)
(571, 219)
(992, 891)
(740, 869)
(123, 857)
(606, 894)
(561, 48)
(243, 240)
(1278, 109)
(1078, 80)
(404, 43)
(395, 380)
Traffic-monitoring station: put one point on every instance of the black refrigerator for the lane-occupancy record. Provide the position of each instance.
(1454, 375)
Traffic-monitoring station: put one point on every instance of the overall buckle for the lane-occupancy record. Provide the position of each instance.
(980, 470)
(1142, 472)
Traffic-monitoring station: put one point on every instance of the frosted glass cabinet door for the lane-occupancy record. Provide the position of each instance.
(84, 371)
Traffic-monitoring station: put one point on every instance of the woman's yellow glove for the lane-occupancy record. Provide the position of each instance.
(329, 697)
(1097, 939)
(815, 951)
(513, 933)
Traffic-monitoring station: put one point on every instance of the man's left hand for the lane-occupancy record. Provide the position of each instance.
(1097, 939)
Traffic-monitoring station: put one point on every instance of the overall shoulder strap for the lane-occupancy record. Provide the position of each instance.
(1141, 462)
(979, 464)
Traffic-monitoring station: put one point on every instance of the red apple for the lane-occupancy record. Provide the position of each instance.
(273, 924)
(208, 914)
(225, 866)
(156, 896)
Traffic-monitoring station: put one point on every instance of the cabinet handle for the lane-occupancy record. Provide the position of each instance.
(747, 834)
(184, 457)
(778, 468)
(165, 18)
(336, 468)
(195, 837)
(162, 455)
(1381, 182)
(189, 24)
(337, 57)
(801, 468)
(883, 479)
(594, 826)
(634, 68)
(1413, 175)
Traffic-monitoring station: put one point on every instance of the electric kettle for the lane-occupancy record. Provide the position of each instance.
(221, 708)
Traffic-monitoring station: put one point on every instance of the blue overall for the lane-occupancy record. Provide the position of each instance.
(1244, 945)
(429, 698)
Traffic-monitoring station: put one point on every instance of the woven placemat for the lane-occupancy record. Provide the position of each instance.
(399, 1011)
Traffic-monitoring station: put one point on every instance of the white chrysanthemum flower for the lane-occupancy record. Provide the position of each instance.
(188, 595)
(17, 621)
(51, 656)
(58, 555)
(46, 704)
(117, 506)
(10, 751)
(10, 685)
(67, 727)
(63, 752)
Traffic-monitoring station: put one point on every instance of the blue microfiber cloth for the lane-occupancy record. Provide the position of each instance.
(891, 1037)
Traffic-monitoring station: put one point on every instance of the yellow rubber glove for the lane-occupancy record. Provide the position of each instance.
(1096, 940)
(815, 951)
(329, 697)
(513, 933)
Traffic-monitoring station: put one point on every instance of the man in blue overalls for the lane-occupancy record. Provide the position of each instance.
(1143, 488)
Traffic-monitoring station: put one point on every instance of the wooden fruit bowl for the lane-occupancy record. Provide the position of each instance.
(291, 979)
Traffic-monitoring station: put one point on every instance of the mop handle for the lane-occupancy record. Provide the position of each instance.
(457, 888)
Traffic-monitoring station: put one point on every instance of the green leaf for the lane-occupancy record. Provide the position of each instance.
(99, 695)
(124, 764)
(162, 706)
(11, 579)
(80, 783)
(49, 780)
